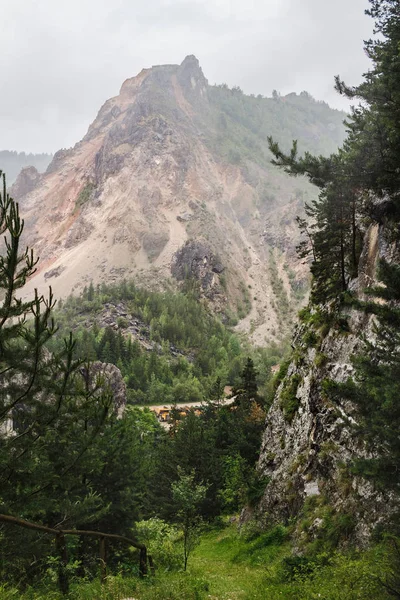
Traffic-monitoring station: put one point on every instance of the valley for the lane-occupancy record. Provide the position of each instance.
(200, 328)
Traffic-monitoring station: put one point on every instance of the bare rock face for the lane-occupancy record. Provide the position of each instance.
(78, 233)
(100, 378)
(307, 443)
(196, 260)
(191, 78)
(53, 273)
(28, 179)
(105, 377)
(154, 243)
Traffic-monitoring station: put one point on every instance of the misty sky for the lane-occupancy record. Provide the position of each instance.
(60, 60)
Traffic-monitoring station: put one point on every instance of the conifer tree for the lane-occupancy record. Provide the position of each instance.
(52, 456)
(247, 391)
(362, 182)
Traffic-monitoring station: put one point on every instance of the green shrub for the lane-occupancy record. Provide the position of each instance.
(304, 314)
(222, 281)
(281, 374)
(122, 323)
(342, 324)
(84, 194)
(310, 338)
(289, 402)
(162, 541)
(274, 537)
(297, 567)
(320, 360)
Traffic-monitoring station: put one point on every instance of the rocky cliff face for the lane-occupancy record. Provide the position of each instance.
(27, 180)
(100, 378)
(153, 174)
(105, 377)
(307, 443)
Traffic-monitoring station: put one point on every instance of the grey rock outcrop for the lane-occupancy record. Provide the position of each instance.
(196, 260)
(79, 232)
(105, 377)
(307, 448)
(99, 379)
(28, 179)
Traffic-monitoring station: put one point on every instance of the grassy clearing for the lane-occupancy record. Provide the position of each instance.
(234, 566)
(228, 566)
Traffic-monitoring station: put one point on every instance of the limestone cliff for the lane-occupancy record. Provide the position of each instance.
(172, 160)
(308, 443)
(106, 378)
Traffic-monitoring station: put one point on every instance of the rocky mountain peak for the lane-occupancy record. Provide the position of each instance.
(191, 77)
(177, 92)
(191, 62)
(169, 160)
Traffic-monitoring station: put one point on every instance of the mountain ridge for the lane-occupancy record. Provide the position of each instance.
(172, 160)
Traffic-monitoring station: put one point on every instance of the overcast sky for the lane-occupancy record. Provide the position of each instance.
(61, 59)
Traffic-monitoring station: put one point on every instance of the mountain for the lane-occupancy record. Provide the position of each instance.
(12, 162)
(173, 182)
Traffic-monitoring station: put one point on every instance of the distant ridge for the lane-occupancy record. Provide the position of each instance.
(12, 162)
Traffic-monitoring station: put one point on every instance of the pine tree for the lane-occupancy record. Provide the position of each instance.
(247, 391)
(90, 293)
(374, 141)
(57, 429)
(217, 392)
(351, 181)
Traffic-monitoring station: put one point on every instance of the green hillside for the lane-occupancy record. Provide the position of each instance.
(167, 345)
(243, 124)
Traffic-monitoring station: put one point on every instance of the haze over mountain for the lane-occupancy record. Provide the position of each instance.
(12, 162)
(68, 68)
(173, 180)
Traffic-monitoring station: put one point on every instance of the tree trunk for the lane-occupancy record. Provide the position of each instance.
(103, 562)
(143, 562)
(61, 546)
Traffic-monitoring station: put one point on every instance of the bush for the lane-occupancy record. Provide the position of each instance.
(297, 567)
(310, 338)
(122, 323)
(289, 402)
(281, 374)
(84, 195)
(274, 537)
(320, 360)
(162, 541)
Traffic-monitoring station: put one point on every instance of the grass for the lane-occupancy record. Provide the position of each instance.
(236, 567)
(229, 566)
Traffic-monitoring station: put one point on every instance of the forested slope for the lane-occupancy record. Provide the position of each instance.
(168, 345)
